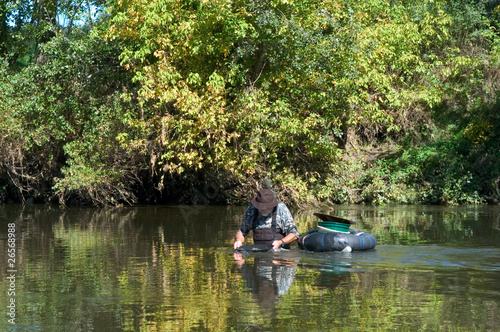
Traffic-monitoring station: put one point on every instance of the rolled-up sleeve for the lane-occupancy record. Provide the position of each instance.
(286, 222)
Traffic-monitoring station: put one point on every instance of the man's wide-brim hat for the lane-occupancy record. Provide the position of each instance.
(265, 200)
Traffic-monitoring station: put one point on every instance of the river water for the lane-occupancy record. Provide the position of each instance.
(172, 268)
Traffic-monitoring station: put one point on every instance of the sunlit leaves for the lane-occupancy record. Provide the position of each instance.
(240, 90)
(229, 81)
(268, 87)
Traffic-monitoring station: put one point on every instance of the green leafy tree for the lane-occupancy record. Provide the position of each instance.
(171, 95)
(61, 117)
(245, 88)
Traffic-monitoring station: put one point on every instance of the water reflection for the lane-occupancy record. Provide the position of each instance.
(267, 277)
(333, 279)
(173, 269)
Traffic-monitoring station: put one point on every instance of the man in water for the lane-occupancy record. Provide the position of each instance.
(270, 220)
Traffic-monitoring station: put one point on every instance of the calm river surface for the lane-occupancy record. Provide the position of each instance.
(172, 268)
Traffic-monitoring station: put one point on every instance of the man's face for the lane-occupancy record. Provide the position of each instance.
(265, 211)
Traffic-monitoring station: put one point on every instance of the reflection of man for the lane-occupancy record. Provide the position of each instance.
(270, 221)
(267, 278)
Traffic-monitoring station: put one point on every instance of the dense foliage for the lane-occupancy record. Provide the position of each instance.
(198, 101)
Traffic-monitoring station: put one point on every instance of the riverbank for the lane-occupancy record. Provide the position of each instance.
(444, 172)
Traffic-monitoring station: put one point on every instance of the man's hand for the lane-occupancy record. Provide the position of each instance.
(277, 244)
(237, 244)
(238, 258)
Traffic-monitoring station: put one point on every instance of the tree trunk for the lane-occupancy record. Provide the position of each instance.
(48, 11)
(72, 19)
(258, 67)
(90, 14)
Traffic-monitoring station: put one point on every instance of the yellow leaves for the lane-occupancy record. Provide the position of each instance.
(185, 27)
(479, 131)
(165, 121)
(160, 54)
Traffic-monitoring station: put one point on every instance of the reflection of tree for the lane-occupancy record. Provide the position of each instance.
(419, 224)
(332, 279)
(144, 269)
(122, 269)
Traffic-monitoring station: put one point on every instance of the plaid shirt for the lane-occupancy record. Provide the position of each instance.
(284, 220)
